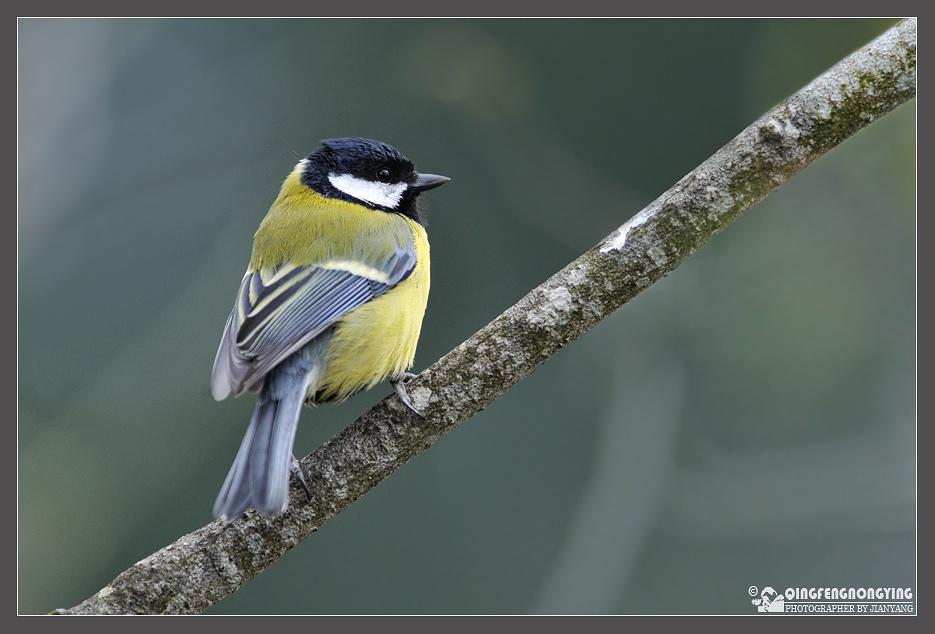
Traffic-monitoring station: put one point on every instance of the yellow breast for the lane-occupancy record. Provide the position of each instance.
(378, 339)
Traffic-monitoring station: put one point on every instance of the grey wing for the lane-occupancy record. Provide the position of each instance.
(277, 313)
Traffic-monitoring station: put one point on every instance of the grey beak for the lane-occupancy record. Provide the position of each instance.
(425, 182)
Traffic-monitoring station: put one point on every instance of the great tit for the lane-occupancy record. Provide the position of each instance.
(332, 303)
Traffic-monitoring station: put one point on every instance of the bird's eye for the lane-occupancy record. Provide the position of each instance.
(384, 175)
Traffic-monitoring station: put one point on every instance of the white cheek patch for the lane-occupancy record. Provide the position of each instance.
(383, 194)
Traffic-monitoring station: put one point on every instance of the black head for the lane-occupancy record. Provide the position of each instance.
(368, 173)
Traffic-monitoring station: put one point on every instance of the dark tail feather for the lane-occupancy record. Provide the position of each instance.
(259, 476)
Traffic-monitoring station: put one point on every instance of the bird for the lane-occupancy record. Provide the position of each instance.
(332, 303)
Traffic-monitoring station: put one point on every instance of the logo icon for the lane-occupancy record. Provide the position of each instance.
(769, 601)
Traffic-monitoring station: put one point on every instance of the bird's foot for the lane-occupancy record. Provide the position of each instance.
(399, 384)
(297, 470)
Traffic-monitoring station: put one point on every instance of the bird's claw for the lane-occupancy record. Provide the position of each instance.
(398, 382)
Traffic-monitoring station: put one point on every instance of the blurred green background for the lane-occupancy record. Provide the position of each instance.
(749, 420)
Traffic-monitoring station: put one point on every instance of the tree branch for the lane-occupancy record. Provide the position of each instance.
(203, 567)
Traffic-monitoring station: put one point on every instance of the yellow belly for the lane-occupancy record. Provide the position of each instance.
(378, 339)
